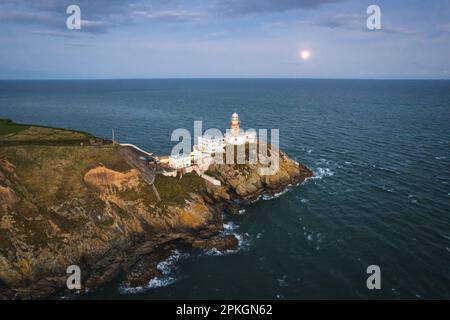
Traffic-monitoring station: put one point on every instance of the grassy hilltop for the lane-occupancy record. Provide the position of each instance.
(12, 133)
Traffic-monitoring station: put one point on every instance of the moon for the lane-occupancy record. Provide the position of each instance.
(305, 54)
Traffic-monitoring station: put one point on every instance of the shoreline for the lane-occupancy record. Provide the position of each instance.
(118, 226)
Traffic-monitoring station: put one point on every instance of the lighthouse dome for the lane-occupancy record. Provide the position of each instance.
(235, 115)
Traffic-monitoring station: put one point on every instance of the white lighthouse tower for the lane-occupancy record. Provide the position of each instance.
(235, 124)
(237, 137)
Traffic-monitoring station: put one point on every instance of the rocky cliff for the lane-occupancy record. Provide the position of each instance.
(64, 205)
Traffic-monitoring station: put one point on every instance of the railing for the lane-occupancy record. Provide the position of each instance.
(136, 147)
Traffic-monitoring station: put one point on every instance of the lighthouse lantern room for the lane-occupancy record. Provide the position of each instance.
(237, 137)
(235, 124)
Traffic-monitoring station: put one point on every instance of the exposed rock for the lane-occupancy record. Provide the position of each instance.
(8, 198)
(195, 214)
(246, 182)
(107, 220)
(220, 243)
(106, 180)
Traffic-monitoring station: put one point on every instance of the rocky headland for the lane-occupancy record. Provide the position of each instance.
(81, 203)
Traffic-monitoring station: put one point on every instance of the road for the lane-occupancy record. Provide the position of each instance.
(132, 157)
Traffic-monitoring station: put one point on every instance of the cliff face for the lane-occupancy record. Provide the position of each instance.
(86, 206)
(246, 183)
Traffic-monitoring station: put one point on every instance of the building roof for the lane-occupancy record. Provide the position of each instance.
(180, 156)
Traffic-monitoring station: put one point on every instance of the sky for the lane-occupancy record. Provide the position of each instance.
(224, 39)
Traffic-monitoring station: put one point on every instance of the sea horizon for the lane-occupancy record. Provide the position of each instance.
(227, 78)
(263, 150)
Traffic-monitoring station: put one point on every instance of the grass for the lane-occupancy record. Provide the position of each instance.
(47, 176)
(49, 167)
(19, 134)
(53, 171)
(8, 127)
(175, 190)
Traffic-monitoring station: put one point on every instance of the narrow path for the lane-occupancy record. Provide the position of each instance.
(132, 156)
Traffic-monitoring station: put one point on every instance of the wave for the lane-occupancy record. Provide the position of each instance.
(229, 228)
(166, 267)
(317, 239)
(243, 244)
(321, 173)
(447, 237)
(387, 188)
(266, 197)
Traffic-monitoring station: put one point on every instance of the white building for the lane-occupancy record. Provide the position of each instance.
(210, 144)
(201, 159)
(236, 136)
(180, 161)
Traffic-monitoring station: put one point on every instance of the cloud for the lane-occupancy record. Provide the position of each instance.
(29, 18)
(342, 21)
(357, 22)
(58, 34)
(258, 6)
(99, 16)
(169, 15)
(388, 28)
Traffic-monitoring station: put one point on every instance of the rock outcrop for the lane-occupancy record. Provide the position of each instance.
(103, 217)
(105, 179)
(242, 184)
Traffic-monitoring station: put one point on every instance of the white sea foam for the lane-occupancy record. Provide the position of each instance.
(166, 267)
(243, 243)
(321, 173)
(388, 189)
(275, 195)
(215, 252)
(445, 236)
(282, 282)
(230, 226)
(157, 283)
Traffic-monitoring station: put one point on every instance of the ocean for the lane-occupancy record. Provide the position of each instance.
(379, 149)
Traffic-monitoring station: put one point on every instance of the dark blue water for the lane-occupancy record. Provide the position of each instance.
(380, 151)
